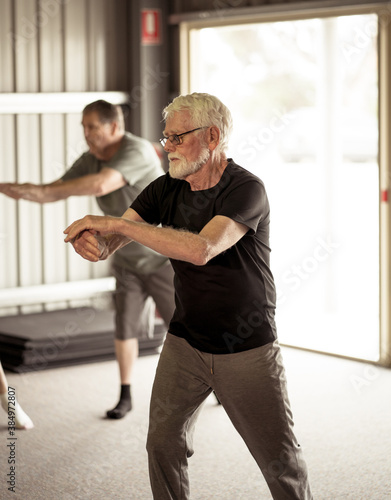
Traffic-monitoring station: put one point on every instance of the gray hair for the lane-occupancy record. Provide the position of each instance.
(204, 110)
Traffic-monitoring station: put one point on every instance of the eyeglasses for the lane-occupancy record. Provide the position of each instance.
(176, 139)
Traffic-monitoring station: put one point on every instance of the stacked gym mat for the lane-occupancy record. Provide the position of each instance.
(65, 337)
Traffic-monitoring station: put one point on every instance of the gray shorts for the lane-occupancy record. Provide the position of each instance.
(137, 297)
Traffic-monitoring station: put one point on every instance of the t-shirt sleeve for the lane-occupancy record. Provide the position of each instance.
(246, 203)
(136, 160)
(83, 166)
(146, 203)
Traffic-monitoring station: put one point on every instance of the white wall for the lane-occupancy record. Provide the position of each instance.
(71, 48)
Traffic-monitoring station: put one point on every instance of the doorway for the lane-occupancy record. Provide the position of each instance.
(304, 100)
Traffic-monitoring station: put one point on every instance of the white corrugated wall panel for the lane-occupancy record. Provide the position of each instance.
(52, 145)
(47, 47)
(77, 207)
(51, 67)
(27, 145)
(8, 209)
(97, 38)
(78, 76)
(6, 47)
(29, 214)
(76, 46)
(26, 50)
(53, 214)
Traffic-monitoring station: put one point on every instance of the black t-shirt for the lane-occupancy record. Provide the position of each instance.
(228, 304)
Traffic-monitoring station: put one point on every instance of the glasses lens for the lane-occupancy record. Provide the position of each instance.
(175, 140)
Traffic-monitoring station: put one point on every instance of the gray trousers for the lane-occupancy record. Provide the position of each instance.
(251, 386)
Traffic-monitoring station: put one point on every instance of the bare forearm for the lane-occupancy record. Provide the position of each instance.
(45, 193)
(173, 243)
(88, 185)
(217, 236)
(118, 231)
(39, 193)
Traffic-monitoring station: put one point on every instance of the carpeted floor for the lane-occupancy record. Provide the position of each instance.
(342, 411)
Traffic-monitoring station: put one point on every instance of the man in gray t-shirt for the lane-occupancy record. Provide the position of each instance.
(117, 167)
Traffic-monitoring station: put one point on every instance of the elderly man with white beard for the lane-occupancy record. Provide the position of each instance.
(210, 216)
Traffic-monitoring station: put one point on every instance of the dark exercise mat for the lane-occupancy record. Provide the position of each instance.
(65, 337)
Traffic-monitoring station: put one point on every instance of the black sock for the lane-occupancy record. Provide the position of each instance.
(124, 404)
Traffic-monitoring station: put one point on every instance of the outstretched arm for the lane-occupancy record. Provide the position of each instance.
(106, 181)
(198, 248)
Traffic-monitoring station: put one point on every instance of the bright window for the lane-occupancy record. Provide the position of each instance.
(304, 100)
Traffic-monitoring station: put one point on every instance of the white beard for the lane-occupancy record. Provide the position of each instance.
(182, 168)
